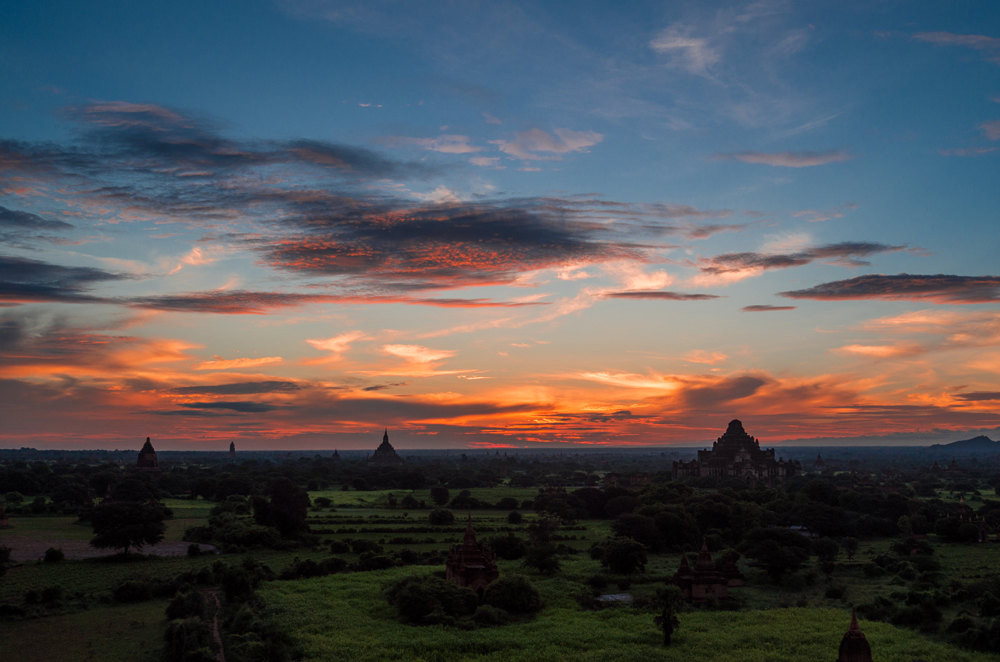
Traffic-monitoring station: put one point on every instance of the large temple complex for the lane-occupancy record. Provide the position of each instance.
(737, 455)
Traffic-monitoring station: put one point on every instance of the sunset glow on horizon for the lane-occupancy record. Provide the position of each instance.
(293, 224)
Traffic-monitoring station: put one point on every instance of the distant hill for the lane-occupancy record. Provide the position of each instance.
(980, 444)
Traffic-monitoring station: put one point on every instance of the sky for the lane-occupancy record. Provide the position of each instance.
(294, 224)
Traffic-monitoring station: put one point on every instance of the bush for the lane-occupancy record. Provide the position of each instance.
(188, 603)
(514, 517)
(440, 517)
(514, 594)
(188, 640)
(429, 600)
(339, 547)
(509, 547)
(53, 555)
(490, 615)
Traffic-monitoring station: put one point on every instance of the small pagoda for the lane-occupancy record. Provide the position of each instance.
(705, 581)
(147, 458)
(854, 646)
(385, 454)
(471, 564)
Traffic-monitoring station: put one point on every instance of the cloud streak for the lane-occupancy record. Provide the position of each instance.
(787, 159)
(940, 288)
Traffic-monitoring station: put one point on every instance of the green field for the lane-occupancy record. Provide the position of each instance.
(343, 617)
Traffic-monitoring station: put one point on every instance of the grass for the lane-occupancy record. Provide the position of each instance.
(345, 617)
(125, 633)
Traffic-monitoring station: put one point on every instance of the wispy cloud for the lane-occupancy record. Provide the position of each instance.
(239, 388)
(418, 353)
(820, 215)
(847, 253)
(220, 364)
(788, 159)
(536, 144)
(764, 308)
(662, 295)
(991, 129)
(684, 50)
(448, 143)
(338, 344)
(989, 47)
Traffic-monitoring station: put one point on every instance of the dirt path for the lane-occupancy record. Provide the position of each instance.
(212, 596)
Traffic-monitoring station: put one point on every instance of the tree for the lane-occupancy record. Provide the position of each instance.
(440, 516)
(439, 495)
(126, 524)
(850, 546)
(776, 550)
(623, 556)
(669, 599)
(826, 550)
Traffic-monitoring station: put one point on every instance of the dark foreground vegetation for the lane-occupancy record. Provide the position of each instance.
(317, 557)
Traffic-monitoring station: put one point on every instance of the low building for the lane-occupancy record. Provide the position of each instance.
(737, 455)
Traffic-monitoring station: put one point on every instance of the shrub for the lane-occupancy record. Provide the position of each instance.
(188, 640)
(440, 517)
(514, 517)
(490, 615)
(360, 546)
(429, 599)
(339, 547)
(514, 594)
(509, 547)
(186, 604)
(53, 555)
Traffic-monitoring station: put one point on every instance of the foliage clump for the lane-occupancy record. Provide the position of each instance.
(430, 600)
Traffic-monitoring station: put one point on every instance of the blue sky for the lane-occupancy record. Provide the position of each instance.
(295, 223)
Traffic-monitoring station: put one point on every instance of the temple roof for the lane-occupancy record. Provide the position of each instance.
(854, 646)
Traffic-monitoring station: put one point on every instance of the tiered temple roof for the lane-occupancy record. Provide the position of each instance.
(737, 455)
(854, 646)
(147, 458)
(385, 453)
(705, 581)
(471, 564)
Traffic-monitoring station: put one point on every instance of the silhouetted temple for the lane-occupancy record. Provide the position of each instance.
(471, 564)
(147, 458)
(854, 646)
(737, 455)
(705, 581)
(385, 453)
(232, 450)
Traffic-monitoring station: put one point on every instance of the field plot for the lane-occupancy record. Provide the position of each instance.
(345, 617)
(121, 633)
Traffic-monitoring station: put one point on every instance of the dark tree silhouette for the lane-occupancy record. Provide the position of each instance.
(126, 524)
(440, 495)
(623, 556)
(288, 508)
(776, 550)
(669, 599)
